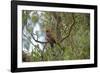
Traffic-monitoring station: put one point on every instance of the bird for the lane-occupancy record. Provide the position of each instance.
(49, 38)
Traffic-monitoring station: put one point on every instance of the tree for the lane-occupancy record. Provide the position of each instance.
(71, 32)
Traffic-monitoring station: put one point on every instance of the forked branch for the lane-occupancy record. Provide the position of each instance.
(69, 29)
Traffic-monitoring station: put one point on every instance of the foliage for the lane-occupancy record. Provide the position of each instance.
(70, 30)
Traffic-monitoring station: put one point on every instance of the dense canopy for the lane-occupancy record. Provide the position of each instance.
(71, 32)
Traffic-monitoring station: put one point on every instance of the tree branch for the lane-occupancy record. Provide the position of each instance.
(37, 40)
(69, 29)
(29, 39)
(34, 38)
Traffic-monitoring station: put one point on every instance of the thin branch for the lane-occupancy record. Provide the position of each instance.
(69, 29)
(29, 39)
(34, 38)
(37, 40)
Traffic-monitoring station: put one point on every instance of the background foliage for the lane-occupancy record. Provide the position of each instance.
(70, 30)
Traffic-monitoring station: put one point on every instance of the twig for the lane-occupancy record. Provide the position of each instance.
(69, 29)
(38, 40)
(28, 39)
(34, 38)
